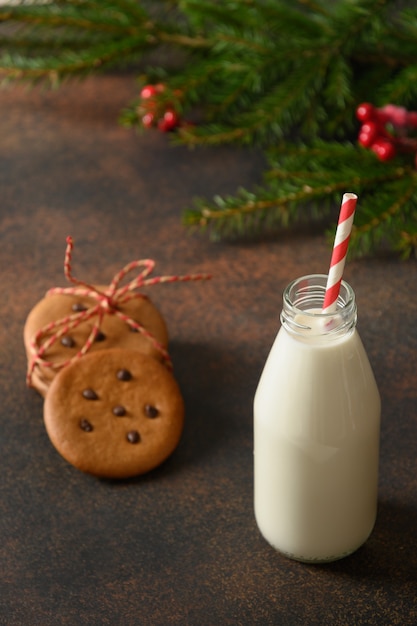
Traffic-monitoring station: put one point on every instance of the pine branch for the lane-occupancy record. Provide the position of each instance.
(302, 83)
(286, 72)
(83, 36)
(305, 183)
(56, 68)
(76, 15)
(269, 116)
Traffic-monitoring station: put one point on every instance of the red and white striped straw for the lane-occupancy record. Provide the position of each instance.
(340, 248)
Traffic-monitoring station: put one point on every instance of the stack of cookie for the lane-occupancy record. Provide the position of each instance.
(63, 316)
(98, 355)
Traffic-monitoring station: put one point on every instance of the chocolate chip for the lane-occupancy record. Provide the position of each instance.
(133, 436)
(133, 329)
(78, 306)
(119, 410)
(100, 336)
(67, 341)
(151, 411)
(124, 375)
(86, 426)
(90, 394)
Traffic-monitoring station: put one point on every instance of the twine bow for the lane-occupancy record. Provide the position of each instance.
(106, 302)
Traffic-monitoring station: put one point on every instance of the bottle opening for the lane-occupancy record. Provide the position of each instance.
(302, 308)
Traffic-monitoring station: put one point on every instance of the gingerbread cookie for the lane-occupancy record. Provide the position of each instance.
(114, 413)
(114, 331)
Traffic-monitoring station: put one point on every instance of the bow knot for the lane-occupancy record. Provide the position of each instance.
(105, 302)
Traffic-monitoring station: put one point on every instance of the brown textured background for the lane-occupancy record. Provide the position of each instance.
(179, 546)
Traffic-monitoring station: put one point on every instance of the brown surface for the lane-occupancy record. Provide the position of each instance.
(179, 546)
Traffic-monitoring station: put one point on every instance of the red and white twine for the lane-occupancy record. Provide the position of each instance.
(107, 302)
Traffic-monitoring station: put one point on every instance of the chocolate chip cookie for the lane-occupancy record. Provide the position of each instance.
(114, 413)
(114, 330)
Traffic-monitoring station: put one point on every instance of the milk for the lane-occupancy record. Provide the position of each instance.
(316, 434)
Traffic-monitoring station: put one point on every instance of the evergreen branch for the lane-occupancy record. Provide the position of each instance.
(403, 88)
(68, 20)
(314, 74)
(210, 213)
(54, 21)
(284, 107)
(388, 217)
(352, 22)
(393, 210)
(77, 37)
(245, 15)
(163, 36)
(407, 243)
(59, 39)
(314, 7)
(203, 13)
(223, 40)
(256, 73)
(305, 182)
(53, 67)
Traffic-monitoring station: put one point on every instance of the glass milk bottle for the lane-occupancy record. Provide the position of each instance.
(316, 430)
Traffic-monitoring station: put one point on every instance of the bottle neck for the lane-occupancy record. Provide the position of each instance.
(302, 315)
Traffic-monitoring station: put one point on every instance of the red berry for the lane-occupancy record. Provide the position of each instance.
(394, 114)
(412, 119)
(369, 132)
(148, 120)
(365, 112)
(383, 115)
(365, 140)
(169, 121)
(148, 92)
(384, 149)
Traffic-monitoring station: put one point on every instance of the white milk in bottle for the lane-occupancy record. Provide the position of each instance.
(316, 430)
